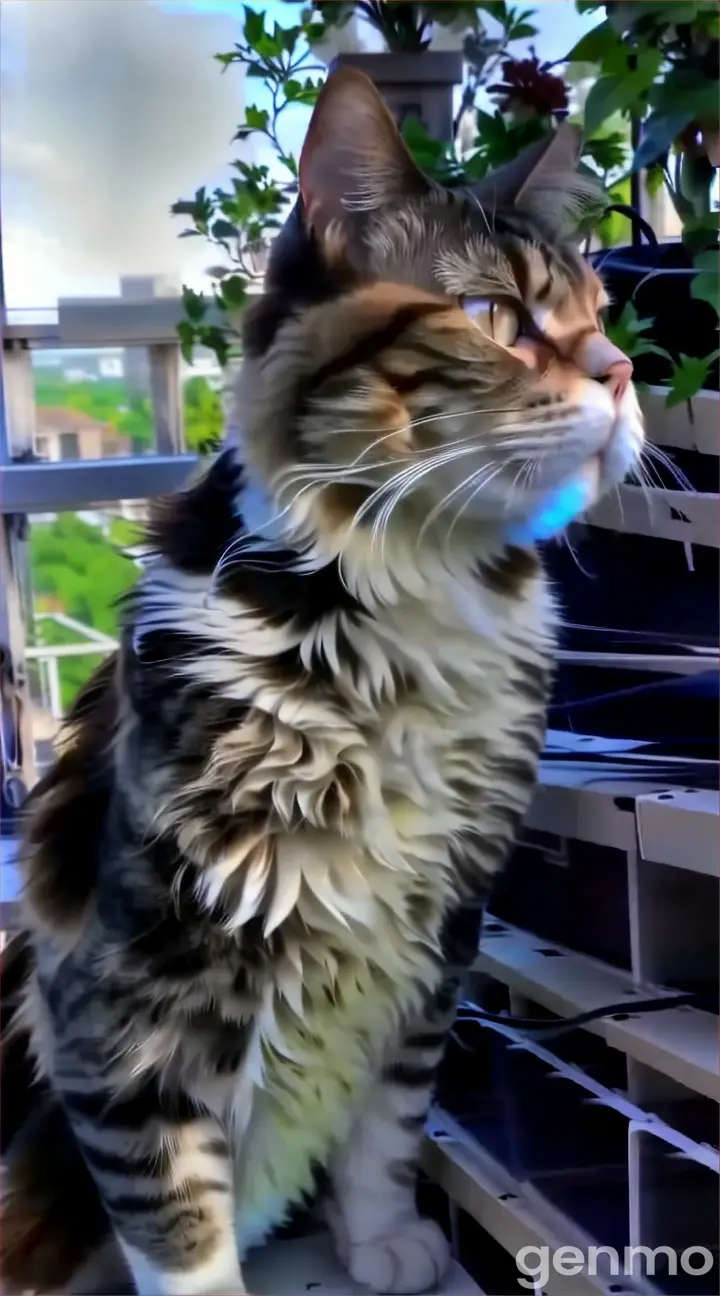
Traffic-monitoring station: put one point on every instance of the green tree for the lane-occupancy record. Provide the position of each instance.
(137, 422)
(104, 400)
(203, 414)
(77, 570)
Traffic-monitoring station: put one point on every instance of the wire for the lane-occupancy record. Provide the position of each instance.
(643, 636)
(656, 686)
(543, 1029)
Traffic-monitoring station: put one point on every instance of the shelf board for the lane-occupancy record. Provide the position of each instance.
(688, 516)
(675, 427)
(680, 827)
(601, 802)
(309, 1264)
(681, 1043)
(504, 1207)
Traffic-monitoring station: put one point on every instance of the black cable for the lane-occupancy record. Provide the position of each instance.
(543, 1029)
(685, 767)
(654, 686)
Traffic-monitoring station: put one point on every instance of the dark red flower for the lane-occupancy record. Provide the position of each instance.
(529, 86)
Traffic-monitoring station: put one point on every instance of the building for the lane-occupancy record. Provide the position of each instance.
(69, 434)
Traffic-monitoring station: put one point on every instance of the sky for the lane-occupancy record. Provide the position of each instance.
(112, 109)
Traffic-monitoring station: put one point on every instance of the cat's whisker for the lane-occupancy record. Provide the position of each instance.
(651, 452)
(481, 484)
(438, 508)
(566, 540)
(415, 472)
(646, 484)
(409, 480)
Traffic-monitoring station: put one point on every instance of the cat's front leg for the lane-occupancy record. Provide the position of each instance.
(166, 1181)
(379, 1235)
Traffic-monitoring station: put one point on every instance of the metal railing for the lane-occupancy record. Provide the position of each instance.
(30, 487)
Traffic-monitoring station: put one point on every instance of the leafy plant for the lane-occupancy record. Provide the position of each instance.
(238, 221)
(405, 28)
(659, 61)
(630, 334)
(688, 377)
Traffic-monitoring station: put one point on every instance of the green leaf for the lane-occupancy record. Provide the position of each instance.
(683, 89)
(688, 377)
(655, 177)
(665, 13)
(223, 230)
(594, 45)
(522, 31)
(628, 329)
(497, 9)
(609, 95)
(234, 290)
(606, 151)
(706, 283)
(256, 118)
(254, 26)
(194, 304)
(216, 340)
(423, 147)
(658, 133)
(186, 334)
(643, 347)
(286, 37)
(267, 47)
(288, 161)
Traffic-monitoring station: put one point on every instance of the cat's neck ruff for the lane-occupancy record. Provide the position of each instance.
(377, 569)
(381, 571)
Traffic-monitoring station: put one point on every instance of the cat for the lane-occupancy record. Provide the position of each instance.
(248, 874)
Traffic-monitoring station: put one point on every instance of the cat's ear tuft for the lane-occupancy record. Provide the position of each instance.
(544, 181)
(354, 159)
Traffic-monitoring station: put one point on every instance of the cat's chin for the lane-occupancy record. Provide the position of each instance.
(621, 455)
(572, 498)
(557, 507)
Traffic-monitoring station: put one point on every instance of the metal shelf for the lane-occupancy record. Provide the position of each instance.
(605, 803)
(483, 1188)
(676, 427)
(681, 1043)
(309, 1264)
(688, 516)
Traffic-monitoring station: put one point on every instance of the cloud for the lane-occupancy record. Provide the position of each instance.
(109, 111)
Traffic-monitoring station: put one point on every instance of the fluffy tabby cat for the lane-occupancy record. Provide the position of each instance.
(316, 742)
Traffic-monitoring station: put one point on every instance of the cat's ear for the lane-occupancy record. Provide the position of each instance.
(544, 181)
(354, 159)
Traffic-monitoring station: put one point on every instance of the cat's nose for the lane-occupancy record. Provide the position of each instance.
(605, 362)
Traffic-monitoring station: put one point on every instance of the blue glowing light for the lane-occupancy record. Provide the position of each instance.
(557, 510)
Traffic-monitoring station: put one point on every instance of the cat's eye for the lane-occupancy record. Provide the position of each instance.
(498, 321)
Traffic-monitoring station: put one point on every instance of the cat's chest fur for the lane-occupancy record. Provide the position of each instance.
(353, 799)
(431, 760)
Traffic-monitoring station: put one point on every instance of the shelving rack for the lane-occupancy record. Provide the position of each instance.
(636, 862)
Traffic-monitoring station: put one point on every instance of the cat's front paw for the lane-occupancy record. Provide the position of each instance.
(412, 1257)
